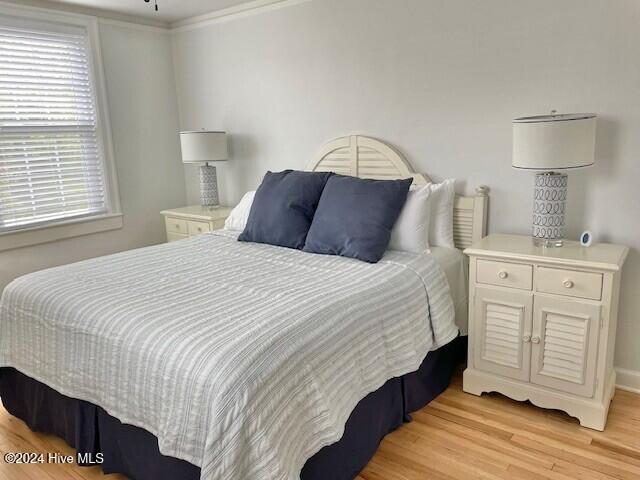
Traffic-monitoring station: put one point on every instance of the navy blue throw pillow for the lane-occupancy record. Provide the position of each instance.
(283, 208)
(355, 217)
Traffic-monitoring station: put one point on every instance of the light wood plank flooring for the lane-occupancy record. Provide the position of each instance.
(457, 436)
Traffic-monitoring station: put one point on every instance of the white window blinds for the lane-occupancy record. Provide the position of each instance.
(51, 163)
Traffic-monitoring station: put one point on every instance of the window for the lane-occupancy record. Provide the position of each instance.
(52, 161)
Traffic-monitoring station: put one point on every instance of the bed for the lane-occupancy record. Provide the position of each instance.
(187, 360)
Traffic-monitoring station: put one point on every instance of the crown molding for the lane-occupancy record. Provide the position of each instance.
(105, 16)
(135, 26)
(231, 13)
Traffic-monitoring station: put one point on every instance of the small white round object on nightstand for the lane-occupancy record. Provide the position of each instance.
(586, 239)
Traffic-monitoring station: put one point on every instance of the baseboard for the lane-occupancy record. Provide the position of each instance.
(628, 380)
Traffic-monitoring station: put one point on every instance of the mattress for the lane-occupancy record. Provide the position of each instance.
(455, 266)
(242, 359)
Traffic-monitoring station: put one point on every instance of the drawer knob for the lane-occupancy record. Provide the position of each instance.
(503, 274)
(535, 340)
(200, 229)
(526, 338)
(177, 226)
(567, 284)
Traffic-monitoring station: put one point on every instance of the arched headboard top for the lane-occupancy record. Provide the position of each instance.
(364, 157)
(367, 157)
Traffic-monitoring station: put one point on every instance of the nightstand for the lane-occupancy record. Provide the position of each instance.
(189, 221)
(542, 323)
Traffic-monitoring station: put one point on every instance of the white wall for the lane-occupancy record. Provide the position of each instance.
(143, 108)
(441, 80)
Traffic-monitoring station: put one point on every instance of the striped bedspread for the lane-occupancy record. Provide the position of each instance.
(243, 359)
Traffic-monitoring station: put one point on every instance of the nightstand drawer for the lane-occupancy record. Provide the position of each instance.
(172, 237)
(504, 274)
(197, 228)
(569, 282)
(176, 225)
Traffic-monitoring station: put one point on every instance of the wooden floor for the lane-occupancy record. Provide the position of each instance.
(457, 436)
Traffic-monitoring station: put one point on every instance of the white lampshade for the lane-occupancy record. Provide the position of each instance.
(202, 146)
(554, 142)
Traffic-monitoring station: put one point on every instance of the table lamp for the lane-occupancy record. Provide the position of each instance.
(204, 147)
(546, 143)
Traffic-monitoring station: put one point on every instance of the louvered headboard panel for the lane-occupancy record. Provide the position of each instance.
(367, 157)
(470, 218)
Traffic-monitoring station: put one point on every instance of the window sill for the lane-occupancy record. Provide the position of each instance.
(59, 231)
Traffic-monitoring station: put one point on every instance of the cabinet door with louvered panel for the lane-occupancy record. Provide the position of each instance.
(502, 344)
(565, 344)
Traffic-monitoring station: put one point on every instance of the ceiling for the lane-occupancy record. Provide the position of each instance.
(169, 11)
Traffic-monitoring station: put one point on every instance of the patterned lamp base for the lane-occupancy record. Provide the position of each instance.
(549, 204)
(208, 186)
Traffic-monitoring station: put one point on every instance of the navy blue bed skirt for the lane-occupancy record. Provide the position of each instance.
(134, 451)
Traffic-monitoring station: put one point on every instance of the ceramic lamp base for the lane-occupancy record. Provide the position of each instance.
(549, 205)
(208, 186)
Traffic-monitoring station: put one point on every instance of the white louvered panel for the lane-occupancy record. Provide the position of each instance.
(365, 150)
(337, 161)
(461, 242)
(373, 165)
(341, 154)
(464, 216)
(564, 347)
(504, 318)
(51, 165)
(502, 335)
(374, 176)
(370, 156)
(377, 174)
(565, 357)
(334, 163)
(462, 228)
(379, 170)
(375, 160)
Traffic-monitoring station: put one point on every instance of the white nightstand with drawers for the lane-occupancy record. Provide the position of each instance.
(189, 221)
(542, 323)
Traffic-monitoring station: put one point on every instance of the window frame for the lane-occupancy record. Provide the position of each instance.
(84, 225)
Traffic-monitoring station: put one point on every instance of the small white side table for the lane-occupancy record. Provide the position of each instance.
(194, 220)
(542, 323)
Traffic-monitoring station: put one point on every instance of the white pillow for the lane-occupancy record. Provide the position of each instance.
(441, 229)
(411, 231)
(238, 217)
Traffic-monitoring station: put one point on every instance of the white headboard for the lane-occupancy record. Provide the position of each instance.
(367, 157)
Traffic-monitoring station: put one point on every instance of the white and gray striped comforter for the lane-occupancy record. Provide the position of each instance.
(243, 359)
